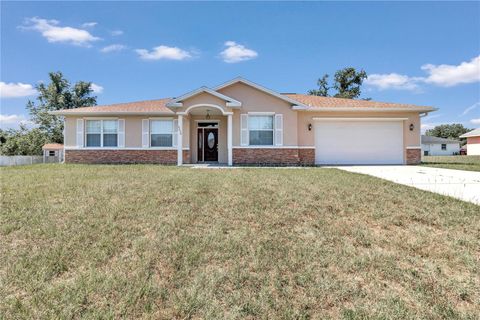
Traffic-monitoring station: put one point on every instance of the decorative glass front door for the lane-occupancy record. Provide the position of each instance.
(207, 141)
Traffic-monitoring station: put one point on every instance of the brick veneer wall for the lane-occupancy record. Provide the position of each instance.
(125, 156)
(414, 156)
(274, 156)
(306, 157)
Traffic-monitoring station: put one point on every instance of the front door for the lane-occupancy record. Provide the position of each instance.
(207, 144)
(210, 143)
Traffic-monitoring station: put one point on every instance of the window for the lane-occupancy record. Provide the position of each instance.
(51, 153)
(161, 133)
(425, 153)
(260, 130)
(444, 146)
(110, 133)
(102, 133)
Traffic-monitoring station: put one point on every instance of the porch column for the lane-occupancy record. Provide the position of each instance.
(229, 140)
(180, 140)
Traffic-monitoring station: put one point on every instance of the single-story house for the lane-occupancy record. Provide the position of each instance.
(241, 122)
(473, 142)
(435, 146)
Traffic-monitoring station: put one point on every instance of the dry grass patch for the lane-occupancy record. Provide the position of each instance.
(469, 163)
(166, 242)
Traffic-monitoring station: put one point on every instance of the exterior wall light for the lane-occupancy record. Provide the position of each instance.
(411, 127)
(309, 127)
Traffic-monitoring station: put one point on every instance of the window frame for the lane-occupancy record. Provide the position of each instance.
(172, 133)
(101, 132)
(261, 114)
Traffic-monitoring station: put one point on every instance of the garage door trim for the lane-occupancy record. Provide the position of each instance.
(359, 119)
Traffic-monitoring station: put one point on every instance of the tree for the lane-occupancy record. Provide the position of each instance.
(22, 142)
(322, 87)
(347, 82)
(56, 95)
(448, 131)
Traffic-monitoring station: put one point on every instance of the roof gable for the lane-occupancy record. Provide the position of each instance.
(295, 104)
(229, 102)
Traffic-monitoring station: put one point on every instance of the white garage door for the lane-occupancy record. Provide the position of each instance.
(358, 142)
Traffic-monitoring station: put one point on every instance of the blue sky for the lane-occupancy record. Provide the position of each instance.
(421, 53)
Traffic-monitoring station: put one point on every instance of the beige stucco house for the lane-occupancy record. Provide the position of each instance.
(241, 122)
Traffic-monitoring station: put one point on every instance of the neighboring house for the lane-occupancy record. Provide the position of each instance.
(52, 152)
(240, 122)
(435, 146)
(473, 142)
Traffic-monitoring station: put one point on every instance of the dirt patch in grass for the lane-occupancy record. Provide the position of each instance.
(166, 242)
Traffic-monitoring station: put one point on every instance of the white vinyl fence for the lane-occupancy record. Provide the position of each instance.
(19, 160)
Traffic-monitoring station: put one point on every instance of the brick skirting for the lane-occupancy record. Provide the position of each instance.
(125, 156)
(306, 157)
(414, 156)
(274, 156)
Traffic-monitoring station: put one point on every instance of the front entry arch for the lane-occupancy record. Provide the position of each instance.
(212, 135)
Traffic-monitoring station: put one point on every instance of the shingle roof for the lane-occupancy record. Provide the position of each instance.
(54, 146)
(147, 106)
(306, 102)
(436, 140)
(317, 102)
(473, 133)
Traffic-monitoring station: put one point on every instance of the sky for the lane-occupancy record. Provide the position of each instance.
(424, 53)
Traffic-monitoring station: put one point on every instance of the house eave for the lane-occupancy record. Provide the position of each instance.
(367, 109)
(110, 113)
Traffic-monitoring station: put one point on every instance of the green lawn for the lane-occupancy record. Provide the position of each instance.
(165, 242)
(470, 163)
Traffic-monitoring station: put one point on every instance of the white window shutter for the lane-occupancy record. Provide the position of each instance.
(121, 133)
(79, 133)
(279, 129)
(244, 129)
(145, 133)
(175, 133)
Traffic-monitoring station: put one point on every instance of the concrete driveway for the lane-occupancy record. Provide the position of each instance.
(463, 185)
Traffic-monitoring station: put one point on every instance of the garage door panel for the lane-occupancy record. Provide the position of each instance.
(359, 142)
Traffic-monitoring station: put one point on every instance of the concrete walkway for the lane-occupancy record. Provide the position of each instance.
(460, 184)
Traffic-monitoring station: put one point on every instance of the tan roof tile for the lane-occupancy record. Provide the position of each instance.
(137, 106)
(314, 102)
(330, 102)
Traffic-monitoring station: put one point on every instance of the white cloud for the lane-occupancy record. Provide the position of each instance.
(450, 75)
(392, 81)
(441, 75)
(113, 48)
(475, 121)
(89, 24)
(236, 53)
(426, 126)
(51, 30)
(13, 120)
(116, 32)
(16, 90)
(163, 52)
(96, 88)
(472, 107)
